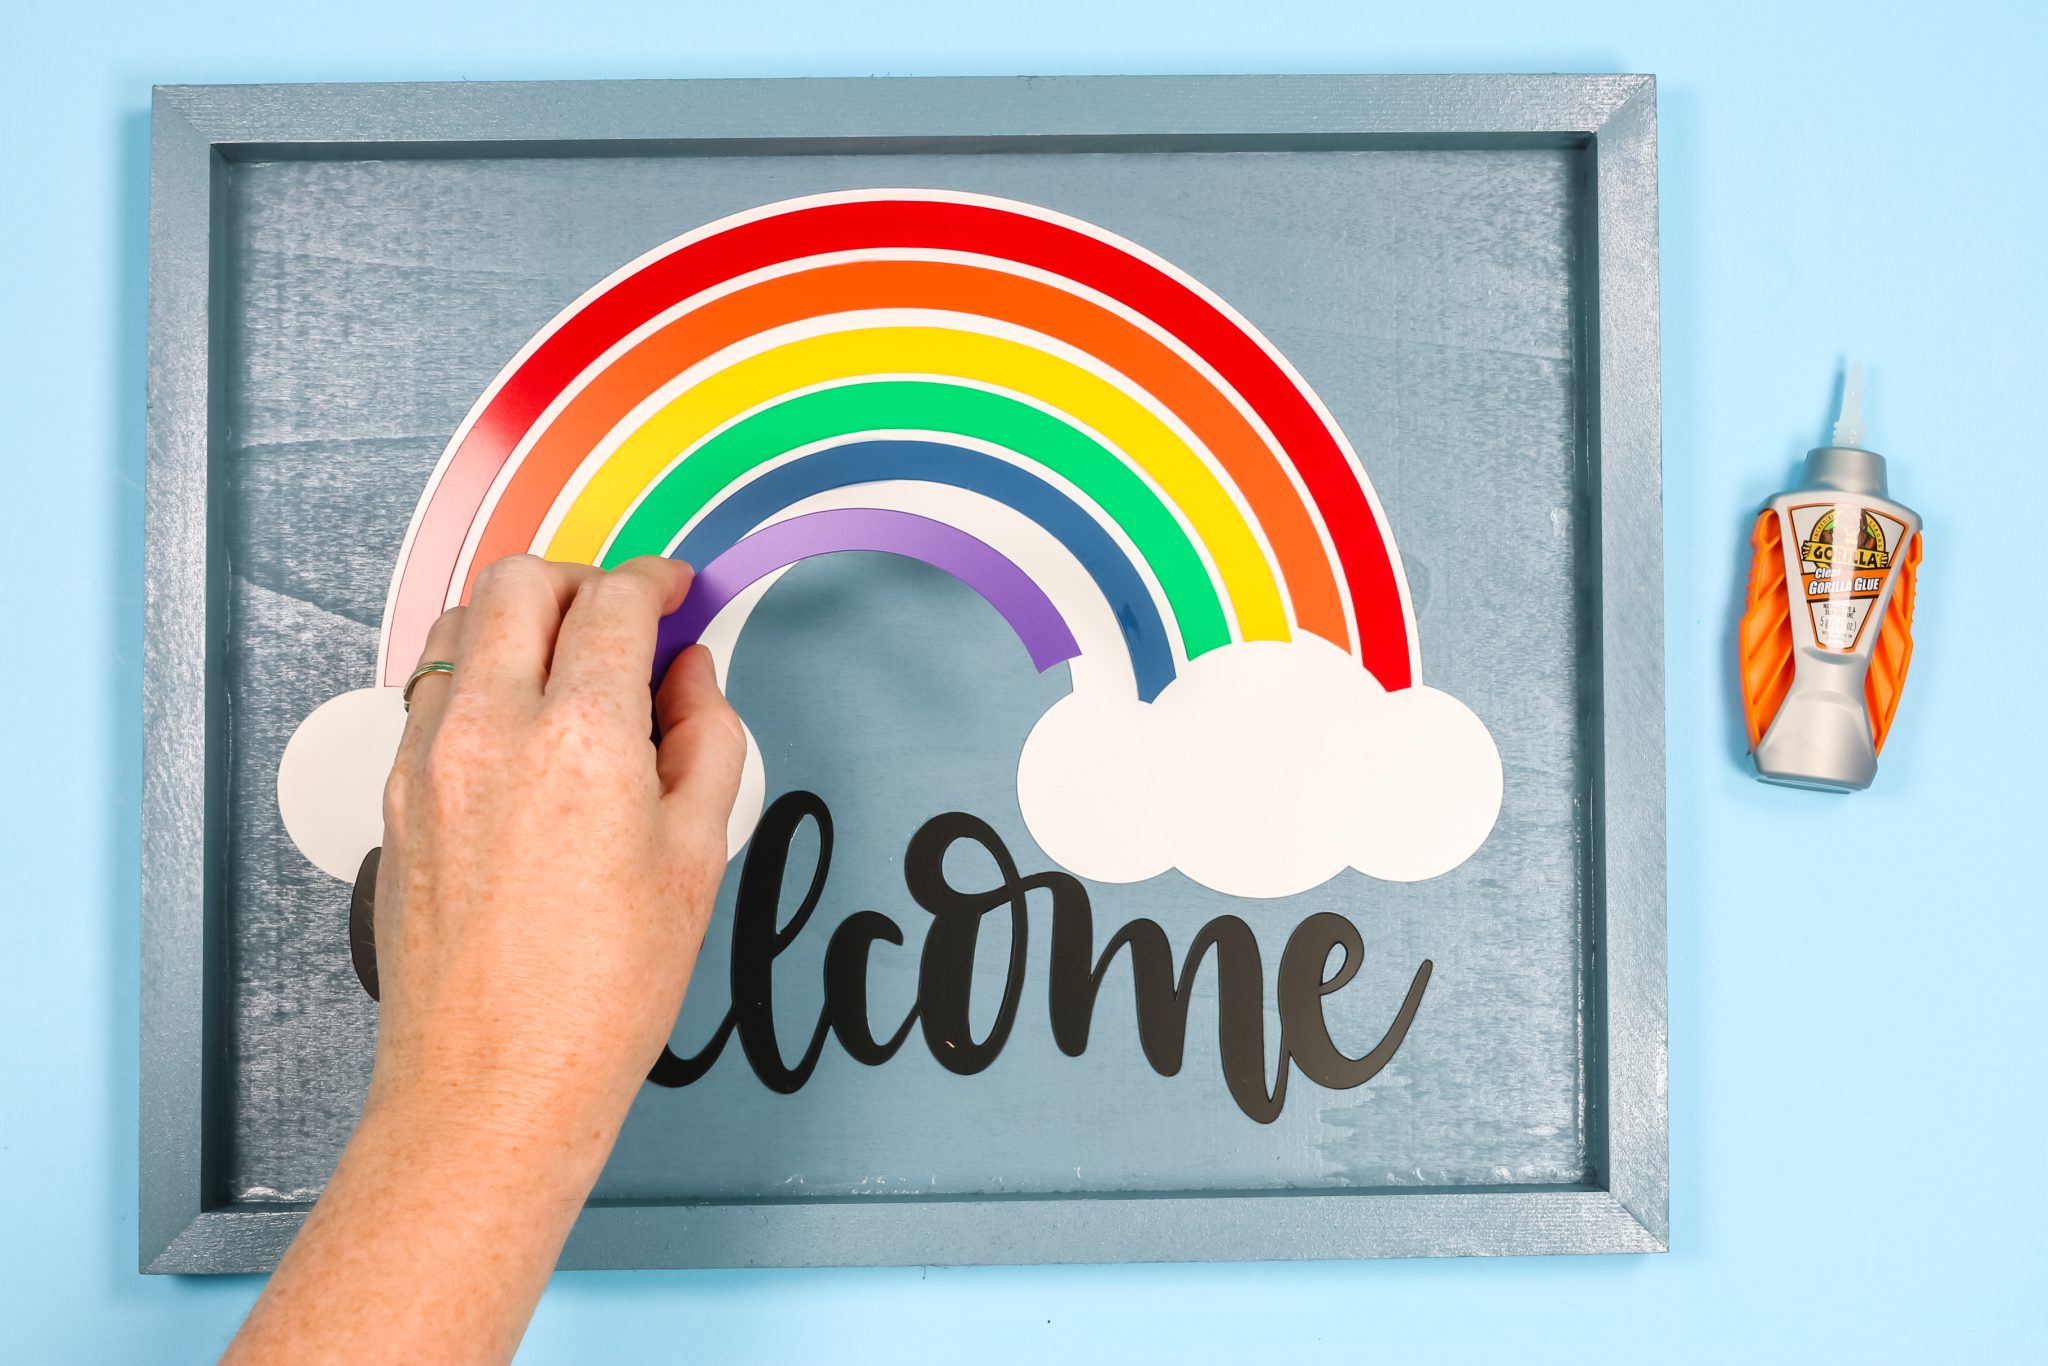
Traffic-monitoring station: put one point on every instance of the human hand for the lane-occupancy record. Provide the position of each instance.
(547, 871)
(545, 879)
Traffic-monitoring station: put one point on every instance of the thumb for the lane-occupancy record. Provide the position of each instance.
(702, 746)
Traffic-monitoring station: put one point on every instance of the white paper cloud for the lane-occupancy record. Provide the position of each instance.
(1263, 770)
(330, 782)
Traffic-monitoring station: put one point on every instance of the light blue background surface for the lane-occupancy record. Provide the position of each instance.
(1856, 984)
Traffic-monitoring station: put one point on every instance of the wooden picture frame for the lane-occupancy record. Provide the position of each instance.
(1609, 121)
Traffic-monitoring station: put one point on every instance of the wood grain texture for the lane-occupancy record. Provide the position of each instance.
(1627, 440)
(191, 1113)
(371, 301)
(1018, 1229)
(179, 733)
(845, 112)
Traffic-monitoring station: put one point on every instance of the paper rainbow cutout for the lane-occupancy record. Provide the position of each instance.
(931, 337)
(975, 563)
(1110, 455)
(872, 462)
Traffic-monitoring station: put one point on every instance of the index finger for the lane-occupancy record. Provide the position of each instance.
(509, 633)
(606, 645)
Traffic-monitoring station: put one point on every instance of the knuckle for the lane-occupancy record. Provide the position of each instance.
(581, 744)
(511, 569)
(627, 585)
(447, 789)
(397, 796)
(573, 720)
(449, 619)
(653, 568)
(584, 732)
(717, 732)
(730, 725)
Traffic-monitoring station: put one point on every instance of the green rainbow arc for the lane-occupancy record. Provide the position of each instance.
(728, 457)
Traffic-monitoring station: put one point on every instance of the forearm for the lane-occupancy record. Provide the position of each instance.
(545, 879)
(431, 1243)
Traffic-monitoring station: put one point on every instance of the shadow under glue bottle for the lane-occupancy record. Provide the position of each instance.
(1827, 629)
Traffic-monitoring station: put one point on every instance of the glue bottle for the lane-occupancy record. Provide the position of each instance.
(1827, 631)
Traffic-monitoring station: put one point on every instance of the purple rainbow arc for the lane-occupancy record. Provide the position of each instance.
(974, 562)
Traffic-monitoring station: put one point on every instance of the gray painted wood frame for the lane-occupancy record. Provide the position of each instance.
(197, 130)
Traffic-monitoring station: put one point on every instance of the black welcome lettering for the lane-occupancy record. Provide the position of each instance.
(1303, 987)
(945, 977)
(1162, 1000)
(757, 942)
(1161, 994)
(846, 987)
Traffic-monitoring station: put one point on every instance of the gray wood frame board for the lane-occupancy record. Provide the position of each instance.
(186, 1227)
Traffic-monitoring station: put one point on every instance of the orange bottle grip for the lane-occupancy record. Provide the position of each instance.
(1893, 651)
(1764, 641)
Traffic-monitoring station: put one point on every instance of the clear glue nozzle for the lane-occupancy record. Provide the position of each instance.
(1849, 426)
(1846, 464)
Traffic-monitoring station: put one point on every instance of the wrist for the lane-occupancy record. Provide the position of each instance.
(547, 1139)
(436, 1231)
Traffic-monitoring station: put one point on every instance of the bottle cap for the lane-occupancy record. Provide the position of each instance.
(1849, 469)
